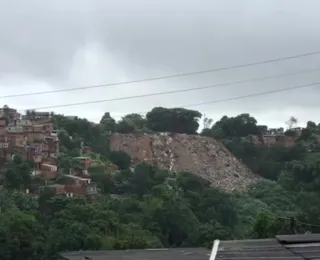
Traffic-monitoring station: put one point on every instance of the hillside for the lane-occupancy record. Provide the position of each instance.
(203, 156)
(113, 201)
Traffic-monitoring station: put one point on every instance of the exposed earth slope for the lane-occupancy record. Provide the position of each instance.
(200, 155)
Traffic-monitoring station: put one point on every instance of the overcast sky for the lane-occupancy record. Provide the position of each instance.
(50, 45)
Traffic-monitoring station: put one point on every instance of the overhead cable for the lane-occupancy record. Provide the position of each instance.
(163, 77)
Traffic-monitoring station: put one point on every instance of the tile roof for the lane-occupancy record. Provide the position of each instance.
(143, 254)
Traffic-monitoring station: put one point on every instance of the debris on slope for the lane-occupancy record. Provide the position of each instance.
(200, 155)
(137, 146)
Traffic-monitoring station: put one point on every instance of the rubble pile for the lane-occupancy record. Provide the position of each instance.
(200, 155)
(138, 146)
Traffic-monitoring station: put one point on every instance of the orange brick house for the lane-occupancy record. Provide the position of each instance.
(58, 189)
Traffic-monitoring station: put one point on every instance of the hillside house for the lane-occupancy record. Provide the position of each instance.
(57, 189)
(36, 115)
(275, 136)
(47, 171)
(3, 138)
(274, 131)
(90, 190)
(81, 186)
(297, 131)
(272, 135)
(10, 113)
(269, 139)
(78, 180)
(255, 139)
(32, 137)
(72, 190)
(51, 146)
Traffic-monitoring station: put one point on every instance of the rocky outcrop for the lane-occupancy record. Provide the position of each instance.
(200, 155)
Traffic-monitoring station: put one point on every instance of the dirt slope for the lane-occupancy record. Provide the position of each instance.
(200, 155)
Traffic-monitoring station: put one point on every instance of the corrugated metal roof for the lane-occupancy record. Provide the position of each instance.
(154, 254)
(289, 247)
(306, 245)
(254, 249)
(307, 251)
(303, 238)
(284, 247)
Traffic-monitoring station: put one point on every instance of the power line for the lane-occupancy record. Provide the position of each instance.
(222, 100)
(197, 104)
(205, 87)
(254, 95)
(244, 96)
(178, 91)
(164, 77)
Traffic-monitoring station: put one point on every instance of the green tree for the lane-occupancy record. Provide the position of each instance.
(176, 120)
(121, 159)
(143, 179)
(104, 181)
(108, 123)
(262, 227)
(239, 126)
(125, 127)
(17, 174)
(135, 120)
(21, 237)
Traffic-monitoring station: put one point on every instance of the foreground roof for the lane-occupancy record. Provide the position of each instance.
(144, 254)
(284, 247)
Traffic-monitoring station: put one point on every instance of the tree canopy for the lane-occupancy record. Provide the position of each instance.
(176, 120)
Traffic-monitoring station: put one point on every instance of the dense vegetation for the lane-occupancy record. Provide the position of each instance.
(148, 207)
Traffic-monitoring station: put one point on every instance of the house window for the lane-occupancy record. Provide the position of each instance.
(93, 189)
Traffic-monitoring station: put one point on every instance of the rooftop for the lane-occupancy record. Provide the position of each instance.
(77, 177)
(284, 247)
(143, 254)
(52, 186)
(82, 157)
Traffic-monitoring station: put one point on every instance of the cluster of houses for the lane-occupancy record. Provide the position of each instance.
(33, 138)
(274, 136)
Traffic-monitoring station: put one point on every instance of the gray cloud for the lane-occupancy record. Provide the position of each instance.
(48, 45)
